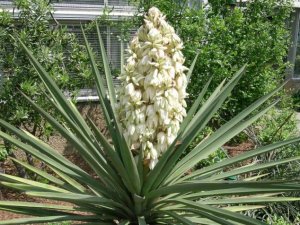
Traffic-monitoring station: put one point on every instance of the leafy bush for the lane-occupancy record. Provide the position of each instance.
(228, 38)
(279, 220)
(57, 50)
(124, 190)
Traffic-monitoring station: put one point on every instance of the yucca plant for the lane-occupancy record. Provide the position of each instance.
(129, 188)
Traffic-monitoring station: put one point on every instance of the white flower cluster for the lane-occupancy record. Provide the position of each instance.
(151, 99)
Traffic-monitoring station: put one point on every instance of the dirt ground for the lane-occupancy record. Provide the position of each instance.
(62, 146)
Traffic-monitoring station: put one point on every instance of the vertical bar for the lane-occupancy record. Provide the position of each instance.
(122, 56)
(108, 45)
(294, 42)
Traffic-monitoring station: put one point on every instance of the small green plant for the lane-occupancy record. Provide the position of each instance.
(219, 155)
(280, 220)
(3, 153)
(126, 188)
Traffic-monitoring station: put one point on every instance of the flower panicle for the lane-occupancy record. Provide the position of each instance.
(153, 91)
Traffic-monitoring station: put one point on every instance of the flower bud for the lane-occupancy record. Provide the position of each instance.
(129, 88)
(149, 94)
(154, 34)
(131, 129)
(150, 111)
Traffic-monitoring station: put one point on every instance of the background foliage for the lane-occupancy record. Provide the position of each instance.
(227, 38)
(58, 51)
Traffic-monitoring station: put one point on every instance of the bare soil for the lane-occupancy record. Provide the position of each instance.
(239, 149)
(90, 110)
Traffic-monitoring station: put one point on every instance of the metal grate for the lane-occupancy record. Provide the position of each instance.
(118, 2)
(91, 36)
(297, 59)
(111, 39)
(93, 2)
(71, 2)
(80, 2)
(115, 48)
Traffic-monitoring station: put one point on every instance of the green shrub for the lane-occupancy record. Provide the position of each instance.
(3, 153)
(256, 34)
(280, 220)
(58, 51)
